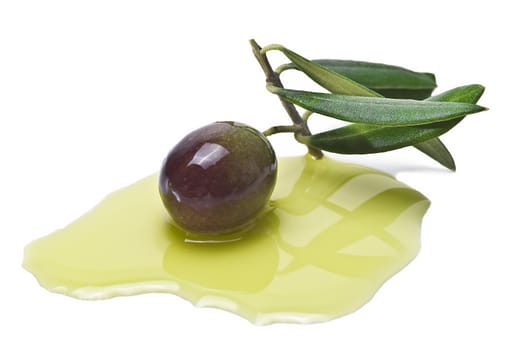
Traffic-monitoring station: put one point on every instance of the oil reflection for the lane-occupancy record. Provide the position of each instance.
(247, 264)
(337, 219)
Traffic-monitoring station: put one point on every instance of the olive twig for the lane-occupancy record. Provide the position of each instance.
(273, 79)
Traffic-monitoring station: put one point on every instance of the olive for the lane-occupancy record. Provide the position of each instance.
(218, 178)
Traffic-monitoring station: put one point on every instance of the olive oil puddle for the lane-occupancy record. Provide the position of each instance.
(335, 234)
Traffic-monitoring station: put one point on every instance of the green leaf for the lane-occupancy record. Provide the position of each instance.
(364, 138)
(468, 94)
(330, 80)
(388, 80)
(377, 110)
(434, 148)
(415, 94)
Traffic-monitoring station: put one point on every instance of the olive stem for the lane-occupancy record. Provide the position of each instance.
(282, 128)
(283, 68)
(273, 79)
(306, 115)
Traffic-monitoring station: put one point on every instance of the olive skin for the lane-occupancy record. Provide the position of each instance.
(218, 178)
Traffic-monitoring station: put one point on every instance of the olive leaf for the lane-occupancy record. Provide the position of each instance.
(330, 80)
(334, 77)
(467, 94)
(365, 138)
(377, 110)
(434, 148)
(374, 79)
(387, 80)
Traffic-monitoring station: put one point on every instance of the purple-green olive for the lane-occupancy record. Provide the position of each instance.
(218, 178)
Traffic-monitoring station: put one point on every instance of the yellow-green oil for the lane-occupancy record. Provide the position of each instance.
(333, 234)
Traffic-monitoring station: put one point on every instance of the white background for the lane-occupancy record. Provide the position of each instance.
(94, 93)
